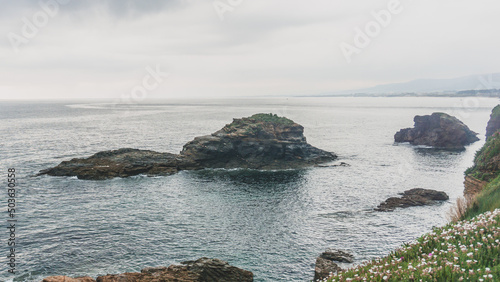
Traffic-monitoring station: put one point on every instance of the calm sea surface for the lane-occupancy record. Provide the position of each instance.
(273, 223)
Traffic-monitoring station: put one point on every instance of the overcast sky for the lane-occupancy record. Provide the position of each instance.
(109, 49)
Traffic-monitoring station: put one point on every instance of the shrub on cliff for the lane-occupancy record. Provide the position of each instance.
(273, 118)
(487, 160)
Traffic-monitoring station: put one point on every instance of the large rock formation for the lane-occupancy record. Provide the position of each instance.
(411, 198)
(494, 122)
(262, 141)
(201, 270)
(438, 130)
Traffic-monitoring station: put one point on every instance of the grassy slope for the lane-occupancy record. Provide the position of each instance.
(468, 250)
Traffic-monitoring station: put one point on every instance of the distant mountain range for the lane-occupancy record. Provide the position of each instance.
(472, 84)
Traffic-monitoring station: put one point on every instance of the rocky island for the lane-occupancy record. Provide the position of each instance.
(438, 130)
(262, 141)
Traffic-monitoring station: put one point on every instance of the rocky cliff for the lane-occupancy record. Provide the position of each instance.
(494, 122)
(262, 141)
(438, 130)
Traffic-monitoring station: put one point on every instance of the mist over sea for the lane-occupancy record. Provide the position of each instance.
(273, 223)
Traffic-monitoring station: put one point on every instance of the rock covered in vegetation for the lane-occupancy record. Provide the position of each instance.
(262, 141)
(494, 122)
(486, 166)
(413, 197)
(438, 130)
(201, 270)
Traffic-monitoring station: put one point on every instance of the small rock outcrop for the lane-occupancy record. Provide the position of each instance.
(494, 122)
(201, 270)
(337, 255)
(325, 265)
(438, 130)
(411, 198)
(324, 268)
(262, 141)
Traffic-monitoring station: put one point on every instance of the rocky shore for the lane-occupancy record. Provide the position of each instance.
(262, 141)
(438, 130)
(201, 270)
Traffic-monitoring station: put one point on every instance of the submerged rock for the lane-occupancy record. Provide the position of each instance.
(438, 130)
(413, 197)
(201, 270)
(262, 141)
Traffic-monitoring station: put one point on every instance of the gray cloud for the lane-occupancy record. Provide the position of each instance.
(101, 49)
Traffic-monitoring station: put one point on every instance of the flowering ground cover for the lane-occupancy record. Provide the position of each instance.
(467, 250)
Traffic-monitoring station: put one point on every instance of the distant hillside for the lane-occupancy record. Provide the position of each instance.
(485, 85)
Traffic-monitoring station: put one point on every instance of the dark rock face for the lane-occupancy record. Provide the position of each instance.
(117, 163)
(262, 141)
(325, 265)
(324, 268)
(201, 270)
(413, 197)
(337, 255)
(439, 130)
(255, 143)
(494, 122)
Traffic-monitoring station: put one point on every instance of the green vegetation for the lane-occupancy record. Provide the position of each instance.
(486, 159)
(273, 118)
(486, 200)
(495, 112)
(468, 250)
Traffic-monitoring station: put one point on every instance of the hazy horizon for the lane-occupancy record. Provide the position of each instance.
(147, 50)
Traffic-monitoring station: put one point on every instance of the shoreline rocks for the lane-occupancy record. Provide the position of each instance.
(200, 270)
(438, 130)
(262, 141)
(325, 265)
(411, 198)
